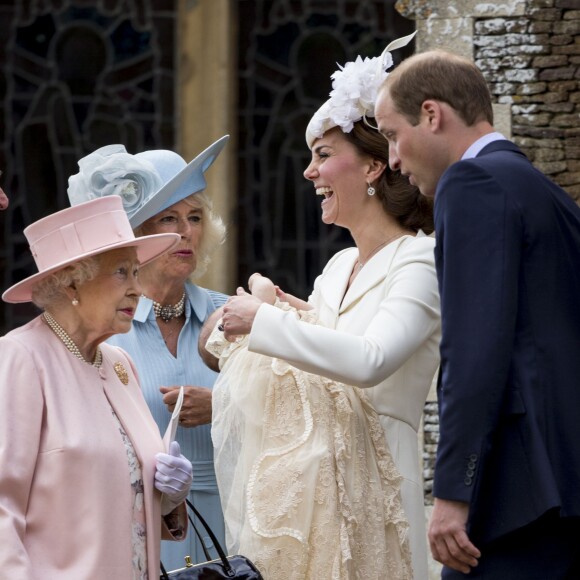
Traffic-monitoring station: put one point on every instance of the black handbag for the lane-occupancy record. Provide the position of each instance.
(224, 567)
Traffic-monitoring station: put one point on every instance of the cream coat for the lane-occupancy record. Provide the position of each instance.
(381, 334)
(65, 497)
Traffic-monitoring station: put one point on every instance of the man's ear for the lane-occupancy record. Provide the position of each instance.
(432, 114)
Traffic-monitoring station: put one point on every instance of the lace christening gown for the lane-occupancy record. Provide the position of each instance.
(308, 486)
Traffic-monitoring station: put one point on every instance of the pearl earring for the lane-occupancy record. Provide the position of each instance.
(371, 190)
(75, 302)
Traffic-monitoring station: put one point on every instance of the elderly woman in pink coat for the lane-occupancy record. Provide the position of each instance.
(87, 488)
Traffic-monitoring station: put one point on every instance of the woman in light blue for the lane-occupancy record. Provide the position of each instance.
(162, 193)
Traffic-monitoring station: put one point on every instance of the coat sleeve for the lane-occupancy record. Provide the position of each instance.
(21, 416)
(407, 316)
(477, 256)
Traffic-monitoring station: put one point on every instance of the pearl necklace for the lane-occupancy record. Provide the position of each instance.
(69, 343)
(360, 264)
(168, 312)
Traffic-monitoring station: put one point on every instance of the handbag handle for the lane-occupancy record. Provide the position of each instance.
(227, 566)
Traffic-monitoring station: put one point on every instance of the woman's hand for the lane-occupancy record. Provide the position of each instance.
(239, 313)
(196, 406)
(173, 477)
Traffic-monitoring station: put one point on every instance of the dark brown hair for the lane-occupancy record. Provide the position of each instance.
(400, 199)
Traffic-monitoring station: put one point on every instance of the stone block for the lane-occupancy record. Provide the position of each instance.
(502, 88)
(422, 9)
(532, 88)
(568, 178)
(566, 4)
(544, 155)
(550, 61)
(566, 120)
(563, 86)
(520, 75)
(544, 143)
(539, 132)
(491, 26)
(551, 168)
(561, 40)
(571, 27)
(526, 109)
(546, 14)
(502, 119)
(519, 61)
(573, 191)
(501, 51)
(455, 35)
(540, 120)
(511, 40)
(553, 74)
(538, 26)
(553, 97)
(566, 49)
(565, 107)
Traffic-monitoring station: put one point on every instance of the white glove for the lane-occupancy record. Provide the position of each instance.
(173, 477)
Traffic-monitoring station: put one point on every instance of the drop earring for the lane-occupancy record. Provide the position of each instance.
(371, 190)
(75, 302)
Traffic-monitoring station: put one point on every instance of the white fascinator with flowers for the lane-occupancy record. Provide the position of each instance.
(355, 87)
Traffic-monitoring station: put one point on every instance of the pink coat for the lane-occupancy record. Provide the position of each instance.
(65, 497)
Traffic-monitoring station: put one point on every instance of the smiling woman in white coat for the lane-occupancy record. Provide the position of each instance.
(377, 303)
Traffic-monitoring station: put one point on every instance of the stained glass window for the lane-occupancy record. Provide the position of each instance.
(75, 75)
(287, 51)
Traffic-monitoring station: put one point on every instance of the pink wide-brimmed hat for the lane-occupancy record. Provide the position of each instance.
(78, 232)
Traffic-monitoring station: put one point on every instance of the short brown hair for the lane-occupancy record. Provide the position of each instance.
(399, 198)
(441, 76)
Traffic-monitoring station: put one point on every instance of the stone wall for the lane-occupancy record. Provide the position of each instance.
(532, 63)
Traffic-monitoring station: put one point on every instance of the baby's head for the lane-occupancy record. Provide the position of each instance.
(262, 288)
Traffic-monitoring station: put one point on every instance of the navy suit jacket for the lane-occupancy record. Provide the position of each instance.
(508, 264)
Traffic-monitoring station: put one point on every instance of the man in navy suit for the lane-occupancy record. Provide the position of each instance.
(507, 475)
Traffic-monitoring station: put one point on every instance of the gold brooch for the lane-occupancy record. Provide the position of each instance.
(121, 373)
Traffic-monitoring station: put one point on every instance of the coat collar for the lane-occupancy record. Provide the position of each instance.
(196, 302)
(334, 283)
(500, 145)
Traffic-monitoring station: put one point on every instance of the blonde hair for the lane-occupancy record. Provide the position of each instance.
(213, 232)
(51, 290)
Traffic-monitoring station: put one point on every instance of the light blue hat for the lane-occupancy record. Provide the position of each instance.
(148, 182)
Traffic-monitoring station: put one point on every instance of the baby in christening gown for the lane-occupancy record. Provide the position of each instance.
(308, 486)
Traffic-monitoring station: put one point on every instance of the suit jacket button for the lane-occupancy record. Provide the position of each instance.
(470, 473)
(467, 481)
(471, 465)
(473, 457)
